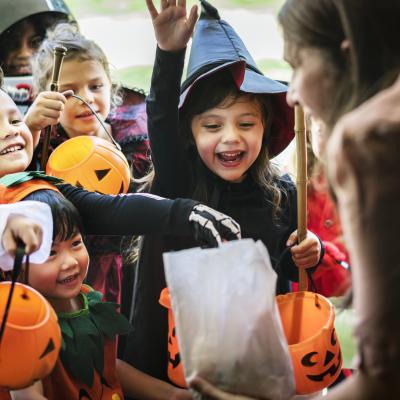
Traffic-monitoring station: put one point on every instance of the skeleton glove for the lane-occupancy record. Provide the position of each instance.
(210, 227)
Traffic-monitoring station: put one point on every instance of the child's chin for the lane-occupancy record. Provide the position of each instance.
(232, 178)
(19, 166)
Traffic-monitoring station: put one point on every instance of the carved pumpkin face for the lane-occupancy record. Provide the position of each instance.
(307, 320)
(323, 368)
(175, 369)
(32, 337)
(91, 163)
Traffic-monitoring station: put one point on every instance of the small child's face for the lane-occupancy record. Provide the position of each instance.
(88, 80)
(60, 278)
(16, 146)
(23, 44)
(229, 137)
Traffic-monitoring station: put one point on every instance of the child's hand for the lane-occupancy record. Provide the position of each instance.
(181, 394)
(45, 110)
(24, 229)
(211, 392)
(307, 253)
(171, 25)
(211, 227)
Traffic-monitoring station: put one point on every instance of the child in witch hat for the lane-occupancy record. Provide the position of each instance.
(130, 214)
(212, 139)
(118, 215)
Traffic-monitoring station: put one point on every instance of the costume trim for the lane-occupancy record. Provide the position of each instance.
(84, 332)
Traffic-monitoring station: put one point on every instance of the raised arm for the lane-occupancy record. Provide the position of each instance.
(172, 26)
(172, 29)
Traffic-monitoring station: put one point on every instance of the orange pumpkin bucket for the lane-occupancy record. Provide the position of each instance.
(175, 369)
(31, 340)
(91, 163)
(308, 323)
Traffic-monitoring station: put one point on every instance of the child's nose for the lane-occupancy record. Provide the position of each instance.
(68, 262)
(231, 135)
(8, 131)
(25, 51)
(87, 95)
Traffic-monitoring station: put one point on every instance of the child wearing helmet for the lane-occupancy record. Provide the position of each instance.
(23, 26)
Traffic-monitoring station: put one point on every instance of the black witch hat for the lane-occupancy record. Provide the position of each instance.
(216, 46)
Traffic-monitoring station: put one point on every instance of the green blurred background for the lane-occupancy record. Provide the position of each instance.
(139, 76)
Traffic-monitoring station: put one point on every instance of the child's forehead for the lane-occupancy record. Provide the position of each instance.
(7, 103)
(242, 101)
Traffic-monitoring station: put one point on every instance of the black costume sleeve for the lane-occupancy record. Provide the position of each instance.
(131, 214)
(167, 148)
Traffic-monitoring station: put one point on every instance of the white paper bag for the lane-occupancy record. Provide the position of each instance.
(227, 322)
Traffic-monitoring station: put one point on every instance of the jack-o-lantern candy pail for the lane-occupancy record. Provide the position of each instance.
(174, 369)
(31, 339)
(92, 163)
(308, 323)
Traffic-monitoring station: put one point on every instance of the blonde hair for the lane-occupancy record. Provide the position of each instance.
(79, 48)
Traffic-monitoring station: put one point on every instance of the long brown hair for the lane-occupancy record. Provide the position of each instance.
(79, 48)
(371, 59)
(216, 90)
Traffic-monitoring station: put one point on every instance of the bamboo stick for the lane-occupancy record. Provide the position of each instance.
(301, 184)
(59, 53)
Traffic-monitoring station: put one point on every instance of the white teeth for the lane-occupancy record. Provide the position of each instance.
(230, 153)
(86, 114)
(69, 279)
(11, 149)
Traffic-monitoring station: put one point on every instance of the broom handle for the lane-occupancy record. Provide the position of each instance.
(301, 183)
(59, 53)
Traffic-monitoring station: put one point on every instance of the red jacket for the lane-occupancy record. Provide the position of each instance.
(332, 277)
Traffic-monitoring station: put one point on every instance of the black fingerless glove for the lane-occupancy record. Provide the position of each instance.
(210, 227)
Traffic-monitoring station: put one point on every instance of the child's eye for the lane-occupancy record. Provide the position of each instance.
(65, 88)
(212, 127)
(97, 87)
(76, 243)
(247, 124)
(52, 253)
(16, 121)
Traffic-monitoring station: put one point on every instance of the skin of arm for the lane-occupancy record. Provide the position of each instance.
(139, 385)
(173, 27)
(212, 392)
(34, 392)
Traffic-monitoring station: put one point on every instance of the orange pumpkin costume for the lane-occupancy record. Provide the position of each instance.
(61, 383)
(88, 334)
(15, 187)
